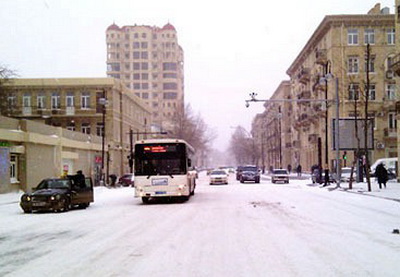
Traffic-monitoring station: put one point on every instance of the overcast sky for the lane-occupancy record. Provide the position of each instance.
(231, 47)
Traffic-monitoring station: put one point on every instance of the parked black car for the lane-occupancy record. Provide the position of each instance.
(58, 195)
(250, 173)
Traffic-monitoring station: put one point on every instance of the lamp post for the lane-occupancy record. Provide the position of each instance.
(327, 74)
(103, 102)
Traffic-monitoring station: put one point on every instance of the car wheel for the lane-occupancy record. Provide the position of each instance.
(145, 200)
(27, 211)
(84, 205)
(65, 205)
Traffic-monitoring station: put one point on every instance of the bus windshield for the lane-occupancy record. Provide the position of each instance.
(160, 159)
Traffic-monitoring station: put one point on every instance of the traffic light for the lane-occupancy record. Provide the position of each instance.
(345, 155)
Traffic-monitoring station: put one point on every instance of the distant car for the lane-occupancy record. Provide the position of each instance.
(218, 177)
(250, 173)
(239, 172)
(345, 176)
(315, 177)
(280, 175)
(58, 195)
(127, 180)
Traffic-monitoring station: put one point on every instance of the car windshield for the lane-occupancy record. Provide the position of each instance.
(54, 184)
(280, 171)
(249, 168)
(218, 172)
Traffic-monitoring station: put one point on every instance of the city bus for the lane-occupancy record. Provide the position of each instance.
(163, 168)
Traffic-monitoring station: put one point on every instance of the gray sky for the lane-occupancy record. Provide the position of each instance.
(231, 47)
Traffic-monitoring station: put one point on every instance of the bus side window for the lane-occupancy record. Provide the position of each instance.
(189, 163)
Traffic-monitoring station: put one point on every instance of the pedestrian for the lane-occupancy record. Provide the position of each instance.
(113, 178)
(381, 174)
(289, 168)
(79, 179)
(299, 170)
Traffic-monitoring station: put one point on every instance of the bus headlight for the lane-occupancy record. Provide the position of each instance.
(181, 187)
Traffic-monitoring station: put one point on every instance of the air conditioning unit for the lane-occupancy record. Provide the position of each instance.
(380, 145)
(380, 114)
(389, 74)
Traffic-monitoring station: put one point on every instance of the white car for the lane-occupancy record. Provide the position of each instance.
(218, 177)
(346, 172)
(280, 175)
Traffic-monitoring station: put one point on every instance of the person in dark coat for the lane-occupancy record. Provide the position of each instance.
(381, 174)
(299, 170)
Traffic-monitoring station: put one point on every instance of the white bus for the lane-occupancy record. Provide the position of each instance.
(163, 168)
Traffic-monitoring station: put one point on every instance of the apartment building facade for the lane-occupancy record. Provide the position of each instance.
(337, 49)
(97, 107)
(149, 62)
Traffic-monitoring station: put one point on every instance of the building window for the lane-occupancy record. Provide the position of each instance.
(369, 36)
(71, 126)
(145, 76)
(70, 99)
(391, 36)
(144, 44)
(170, 86)
(145, 95)
(136, 76)
(136, 55)
(145, 66)
(55, 101)
(41, 103)
(99, 129)
(145, 85)
(85, 100)
(113, 67)
(352, 65)
(144, 35)
(136, 45)
(169, 66)
(392, 122)
(145, 55)
(13, 168)
(26, 100)
(390, 91)
(170, 95)
(170, 75)
(136, 66)
(372, 92)
(136, 85)
(12, 101)
(352, 37)
(354, 92)
(371, 66)
(86, 128)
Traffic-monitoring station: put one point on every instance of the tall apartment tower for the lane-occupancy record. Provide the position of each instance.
(149, 62)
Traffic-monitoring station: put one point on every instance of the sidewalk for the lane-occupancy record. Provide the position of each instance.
(392, 191)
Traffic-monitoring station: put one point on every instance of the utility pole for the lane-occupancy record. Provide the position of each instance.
(366, 165)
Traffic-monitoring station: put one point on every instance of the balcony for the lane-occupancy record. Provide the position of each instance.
(26, 111)
(70, 111)
(304, 75)
(395, 66)
(321, 56)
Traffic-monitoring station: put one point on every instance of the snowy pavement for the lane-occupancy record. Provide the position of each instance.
(249, 229)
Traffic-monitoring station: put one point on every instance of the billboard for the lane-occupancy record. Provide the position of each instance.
(347, 133)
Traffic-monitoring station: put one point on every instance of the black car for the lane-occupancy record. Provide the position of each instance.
(126, 180)
(250, 173)
(58, 195)
(316, 177)
(239, 172)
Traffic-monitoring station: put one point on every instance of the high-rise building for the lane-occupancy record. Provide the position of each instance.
(149, 62)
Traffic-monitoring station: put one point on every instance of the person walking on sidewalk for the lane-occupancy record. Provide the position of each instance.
(381, 174)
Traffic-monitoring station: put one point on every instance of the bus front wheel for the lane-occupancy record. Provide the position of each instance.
(145, 200)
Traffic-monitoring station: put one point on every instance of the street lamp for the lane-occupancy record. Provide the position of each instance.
(103, 102)
(324, 79)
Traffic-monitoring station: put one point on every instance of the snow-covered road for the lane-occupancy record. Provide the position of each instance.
(235, 230)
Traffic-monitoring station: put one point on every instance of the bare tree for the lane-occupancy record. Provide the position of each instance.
(191, 128)
(5, 75)
(243, 147)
